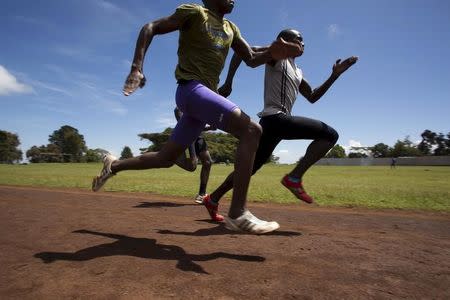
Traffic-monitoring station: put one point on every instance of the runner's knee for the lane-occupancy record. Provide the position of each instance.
(191, 166)
(253, 132)
(165, 161)
(206, 163)
(243, 128)
(333, 136)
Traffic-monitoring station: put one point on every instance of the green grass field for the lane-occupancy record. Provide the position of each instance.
(417, 188)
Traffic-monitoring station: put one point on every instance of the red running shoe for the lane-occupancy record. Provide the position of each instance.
(212, 209)
(297, 189)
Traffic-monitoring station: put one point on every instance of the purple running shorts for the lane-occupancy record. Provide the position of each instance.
(200, 106)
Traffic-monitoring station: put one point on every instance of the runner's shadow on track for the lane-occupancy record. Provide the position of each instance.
(161, 204)
(221, 230)
(143, 248)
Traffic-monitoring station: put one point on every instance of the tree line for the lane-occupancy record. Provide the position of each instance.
(221, 146)
(66, 145)
(436, 144)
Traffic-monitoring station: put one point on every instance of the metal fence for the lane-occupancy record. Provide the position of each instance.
(400, 161)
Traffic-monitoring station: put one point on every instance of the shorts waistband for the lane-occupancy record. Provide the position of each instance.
(183, 81)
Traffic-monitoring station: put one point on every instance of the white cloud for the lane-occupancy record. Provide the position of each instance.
(86, 85)
(9, 84)
(166, 121)
(33, 21)
(121, 111)
(51, 87)
(116, 10)
(354, 144)
(284, 15)
(55, 109)
(56, 69)
(81, 53)
(74, 52)
(108, 6)
(115, 93)
(286, 156)
(112, 106)
(333, 30)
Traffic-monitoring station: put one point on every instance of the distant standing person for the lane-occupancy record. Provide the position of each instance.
(393, 162)
(199, 150)
(283, 81)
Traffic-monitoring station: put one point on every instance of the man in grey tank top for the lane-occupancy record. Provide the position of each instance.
(283, 81)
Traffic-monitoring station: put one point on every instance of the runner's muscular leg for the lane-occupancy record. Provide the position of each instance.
(206, 160)
(165, 158)
(267, 144)
(248, 132)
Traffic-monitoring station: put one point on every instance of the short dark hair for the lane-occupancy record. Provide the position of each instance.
(289, 35)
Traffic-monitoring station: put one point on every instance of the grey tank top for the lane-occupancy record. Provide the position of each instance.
(281, 87)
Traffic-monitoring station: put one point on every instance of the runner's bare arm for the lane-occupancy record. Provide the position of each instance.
(136, 77)
(338, 68)
(277, 50)
(227, 87)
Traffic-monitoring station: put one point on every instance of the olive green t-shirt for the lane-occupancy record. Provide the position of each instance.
(203, 44)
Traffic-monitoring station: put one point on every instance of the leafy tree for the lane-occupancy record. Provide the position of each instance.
(357, 155)
(336, 152)
(70, 142)
(94, 155)
(442, 145)
(157, 140)
(273, 159)
(126, 153)
(434, 144)
(9, 153)
(380, 150)
(427, 143)
(447, 141)
(405, 148)
(45, 154)
(33, 154)
(221, 146)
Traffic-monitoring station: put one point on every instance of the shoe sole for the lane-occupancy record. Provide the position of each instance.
(216, 219)
(231, 226)
(95, 188)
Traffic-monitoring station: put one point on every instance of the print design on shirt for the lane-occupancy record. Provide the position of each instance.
(218, 37)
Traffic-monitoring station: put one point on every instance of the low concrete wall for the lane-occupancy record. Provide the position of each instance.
(401, 161)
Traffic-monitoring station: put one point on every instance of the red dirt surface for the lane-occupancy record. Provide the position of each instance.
(64, 244)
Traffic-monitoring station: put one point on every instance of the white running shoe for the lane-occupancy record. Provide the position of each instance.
(249, 223)
(105, 174)
(199, 199)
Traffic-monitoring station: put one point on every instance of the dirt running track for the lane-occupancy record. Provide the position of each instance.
(70, 244)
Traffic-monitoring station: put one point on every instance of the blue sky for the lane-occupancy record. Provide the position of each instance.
(64, 63)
